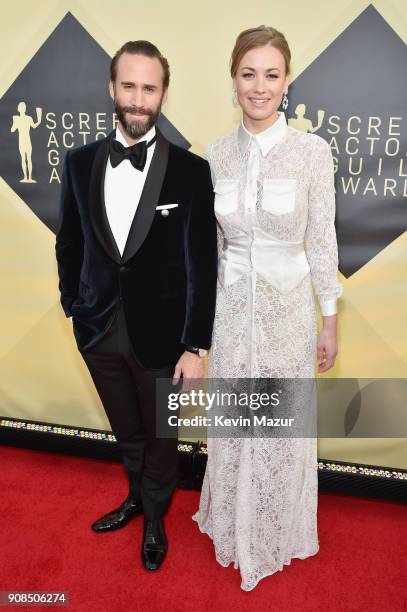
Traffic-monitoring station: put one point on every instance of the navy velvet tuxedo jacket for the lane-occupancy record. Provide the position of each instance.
(166, 277)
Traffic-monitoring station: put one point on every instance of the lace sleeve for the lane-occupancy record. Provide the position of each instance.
(209, 158)
(322, 248)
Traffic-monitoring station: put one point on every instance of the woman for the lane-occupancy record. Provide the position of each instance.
(274, 191)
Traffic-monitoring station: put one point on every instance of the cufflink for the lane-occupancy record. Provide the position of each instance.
(165, 212)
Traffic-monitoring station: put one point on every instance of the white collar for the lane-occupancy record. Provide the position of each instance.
(149, 136)
(265, 139)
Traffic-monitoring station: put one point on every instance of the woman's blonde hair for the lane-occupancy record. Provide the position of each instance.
(257, 37)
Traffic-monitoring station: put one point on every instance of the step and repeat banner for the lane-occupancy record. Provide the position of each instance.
(347, 85)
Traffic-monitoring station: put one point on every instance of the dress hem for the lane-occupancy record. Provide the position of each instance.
(300, 556)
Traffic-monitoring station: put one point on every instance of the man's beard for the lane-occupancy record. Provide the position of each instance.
(136, 129)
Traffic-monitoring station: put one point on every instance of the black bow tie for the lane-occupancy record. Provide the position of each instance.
(137, 154)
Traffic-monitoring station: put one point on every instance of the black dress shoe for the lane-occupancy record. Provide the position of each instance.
(155, 544)
(119, 517)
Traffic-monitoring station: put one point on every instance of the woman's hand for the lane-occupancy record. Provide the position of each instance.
(327, 346)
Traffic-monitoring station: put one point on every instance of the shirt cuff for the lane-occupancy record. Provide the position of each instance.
(328, 307)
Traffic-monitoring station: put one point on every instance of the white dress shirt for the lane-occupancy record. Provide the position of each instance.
(123, 187)
(258, 144)
(278, 208)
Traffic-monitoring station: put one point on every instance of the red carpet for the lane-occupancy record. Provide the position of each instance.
(49, 501)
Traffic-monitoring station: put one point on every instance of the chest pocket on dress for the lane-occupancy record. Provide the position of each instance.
(225, 196)
(279, 195)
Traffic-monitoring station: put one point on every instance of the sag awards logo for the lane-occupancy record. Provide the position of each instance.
(22, 123)
(58, 102)
(348, 138)
(354, 96)
(65, 131)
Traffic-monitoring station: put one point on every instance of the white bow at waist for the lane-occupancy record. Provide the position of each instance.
(281, 263)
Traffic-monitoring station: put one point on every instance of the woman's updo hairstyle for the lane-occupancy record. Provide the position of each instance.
(258, 37)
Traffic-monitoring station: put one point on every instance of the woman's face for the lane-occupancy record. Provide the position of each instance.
(260, 82)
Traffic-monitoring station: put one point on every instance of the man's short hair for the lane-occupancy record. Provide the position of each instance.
(140, 47)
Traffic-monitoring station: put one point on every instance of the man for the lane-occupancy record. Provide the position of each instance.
(136, 252)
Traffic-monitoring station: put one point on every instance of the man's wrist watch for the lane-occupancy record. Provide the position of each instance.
(197, 351)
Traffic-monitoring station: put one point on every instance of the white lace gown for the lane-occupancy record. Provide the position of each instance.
(274, 195)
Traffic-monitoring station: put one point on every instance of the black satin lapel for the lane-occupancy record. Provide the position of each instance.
(149, 198)
(97, 207)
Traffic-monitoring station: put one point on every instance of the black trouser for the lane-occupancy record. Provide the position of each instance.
(127, 392)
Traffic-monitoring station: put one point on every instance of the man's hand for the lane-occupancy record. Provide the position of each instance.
(188, 366)
(327, 346)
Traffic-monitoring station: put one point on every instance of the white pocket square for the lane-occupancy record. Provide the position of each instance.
(166, 206)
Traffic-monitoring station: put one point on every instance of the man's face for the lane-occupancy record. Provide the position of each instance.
(138, 93)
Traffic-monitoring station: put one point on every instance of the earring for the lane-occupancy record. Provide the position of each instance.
(284, 103)
(235, 101)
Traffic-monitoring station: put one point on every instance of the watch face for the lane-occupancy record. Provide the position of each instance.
(202, 352)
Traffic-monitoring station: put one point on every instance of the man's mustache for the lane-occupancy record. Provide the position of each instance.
(134, 109)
